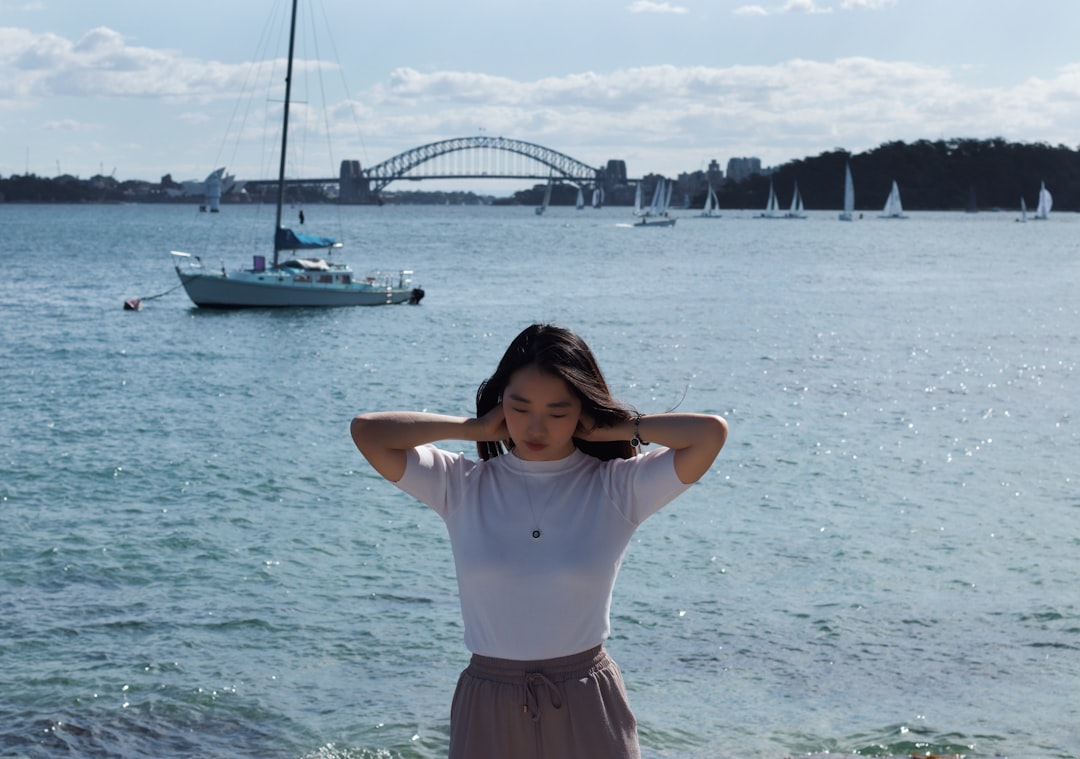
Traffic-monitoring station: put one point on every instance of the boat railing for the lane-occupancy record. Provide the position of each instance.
(193, 262)
(389, 280)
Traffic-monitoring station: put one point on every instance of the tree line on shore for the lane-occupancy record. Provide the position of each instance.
(938, 175)
(933, 175)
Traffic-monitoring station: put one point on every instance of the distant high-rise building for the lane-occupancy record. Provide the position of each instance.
(714, 174)
(739, 169)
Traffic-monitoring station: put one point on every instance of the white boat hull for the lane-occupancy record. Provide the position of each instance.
(279, 289)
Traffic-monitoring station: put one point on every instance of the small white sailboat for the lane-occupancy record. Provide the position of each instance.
(293, 282)
(212, 191)
(580, 204)
(893, 209)
(711, 210)
(772, 205)
(1046, 202)
(543, 207)
(796, 211)
(848, 214)
(1023, 210)
(656, 215)
(597, 197)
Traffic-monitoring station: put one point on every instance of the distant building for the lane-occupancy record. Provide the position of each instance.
(714, 174)
(739, 169)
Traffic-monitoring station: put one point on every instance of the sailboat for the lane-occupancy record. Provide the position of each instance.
(542, 208)
(212, 187)
(893, 208)
(656, 215)
(848, 214)
(1023, 210)
(796, 211)
(580, 204)
(597, 197)
(712, 205)
(772, 205)
(290, 281)
(1046, 202)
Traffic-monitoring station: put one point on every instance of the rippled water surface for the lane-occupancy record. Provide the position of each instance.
(195, 561)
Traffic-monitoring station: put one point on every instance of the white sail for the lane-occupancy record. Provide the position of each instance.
(580, 199)
(542, 209)
(213, 190)
(796, 211)
(772, 205)
(893, 209)
(1023, 209)
(712, 204)
(849, 196)
(1046, 202)
(656, 207)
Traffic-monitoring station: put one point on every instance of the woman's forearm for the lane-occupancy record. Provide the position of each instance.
(385, 437)
(402, 430)
(695, 438)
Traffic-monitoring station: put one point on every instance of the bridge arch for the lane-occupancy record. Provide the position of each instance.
(551, 163)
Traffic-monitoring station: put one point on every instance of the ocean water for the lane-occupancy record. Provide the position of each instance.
(883, 561)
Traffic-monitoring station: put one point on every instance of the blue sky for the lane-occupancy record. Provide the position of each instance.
(148, 88)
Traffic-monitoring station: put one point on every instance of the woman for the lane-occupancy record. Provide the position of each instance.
(538, 527)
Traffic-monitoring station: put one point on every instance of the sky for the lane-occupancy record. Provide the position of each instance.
(141, 89)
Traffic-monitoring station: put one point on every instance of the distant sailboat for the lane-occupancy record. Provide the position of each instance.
(1023, 210)
(597, 197)
(542, 208)
(772, 205)
(580, 200)
(213, 191)
(796, 211)
(656, 215)
(848, 213)
(893, 208)
(712, 205)
(1046, 202)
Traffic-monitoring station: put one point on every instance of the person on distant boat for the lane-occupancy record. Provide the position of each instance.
(538, 525)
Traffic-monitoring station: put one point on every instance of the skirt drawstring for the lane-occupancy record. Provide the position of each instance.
(532, 700)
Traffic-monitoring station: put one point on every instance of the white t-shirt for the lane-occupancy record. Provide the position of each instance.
(527, 598)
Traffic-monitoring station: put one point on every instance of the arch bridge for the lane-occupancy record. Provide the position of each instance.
(478, 157)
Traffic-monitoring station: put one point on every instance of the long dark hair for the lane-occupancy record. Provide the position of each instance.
(561, 353)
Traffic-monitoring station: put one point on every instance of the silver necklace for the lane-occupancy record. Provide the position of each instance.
(536, 532)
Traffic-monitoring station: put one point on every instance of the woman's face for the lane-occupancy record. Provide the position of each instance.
(541, 415)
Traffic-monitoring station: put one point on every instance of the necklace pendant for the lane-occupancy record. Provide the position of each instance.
(536, 534)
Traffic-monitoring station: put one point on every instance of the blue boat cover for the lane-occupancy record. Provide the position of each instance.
(286, 239)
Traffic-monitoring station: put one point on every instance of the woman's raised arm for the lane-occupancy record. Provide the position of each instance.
(385, 437)
(695, 438)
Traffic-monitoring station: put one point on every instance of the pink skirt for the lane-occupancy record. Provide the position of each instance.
(573, 707)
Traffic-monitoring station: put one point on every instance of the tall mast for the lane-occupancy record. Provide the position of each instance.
(285, 131)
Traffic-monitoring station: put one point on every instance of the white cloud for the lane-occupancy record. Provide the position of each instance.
(68, 125)
(750, 10)
(788, 110)
(647, 6)
(803, 6)
(868, 5)
(102, 64)
(791, 6)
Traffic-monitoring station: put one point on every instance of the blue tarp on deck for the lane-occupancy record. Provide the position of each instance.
(286, 239)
